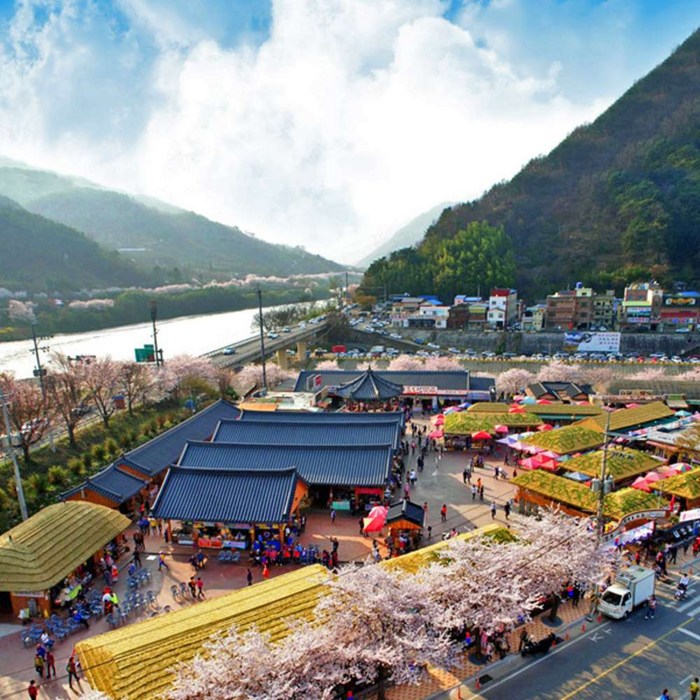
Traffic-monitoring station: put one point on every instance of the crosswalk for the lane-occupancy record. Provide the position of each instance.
(690, 606)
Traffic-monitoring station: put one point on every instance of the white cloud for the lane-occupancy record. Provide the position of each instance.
(347, 121)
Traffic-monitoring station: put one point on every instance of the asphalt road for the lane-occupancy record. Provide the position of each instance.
(612, 660)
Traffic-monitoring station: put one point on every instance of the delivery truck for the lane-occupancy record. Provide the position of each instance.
(632, 587)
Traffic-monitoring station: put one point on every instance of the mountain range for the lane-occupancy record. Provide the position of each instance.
(146, 241)
(617, 201)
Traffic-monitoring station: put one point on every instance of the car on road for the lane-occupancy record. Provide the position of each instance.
(435, 346)
(229, 351)
(273, 336)
(454, 351)
(286, 330)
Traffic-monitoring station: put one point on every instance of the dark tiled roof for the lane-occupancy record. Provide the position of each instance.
(369, 386)
(560, 390)
(112, 482)
(215, 495)
(318, 432)
(405, 510)
(337, 466)
(450, 380)
(156, 455)
(335, 417)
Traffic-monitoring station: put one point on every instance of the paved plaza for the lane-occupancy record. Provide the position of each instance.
(440, 483)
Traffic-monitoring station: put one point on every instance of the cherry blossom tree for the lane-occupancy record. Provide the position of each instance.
(385, 619)
(22, 311)
(514, 380)
(250, 377)
(183, 375)
(405, 363)
(556, 371)
(327, 365)
(66, 389)
(442, 364)
(648, 374)
(102, 382)
(135, 381)
(28, 412)
(598, 377)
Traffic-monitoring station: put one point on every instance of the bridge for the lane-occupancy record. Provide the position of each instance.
(248, 350)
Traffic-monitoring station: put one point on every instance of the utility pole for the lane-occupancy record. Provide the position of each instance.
(154, 315)
(40, 372)
(262, 341)
(4, 400)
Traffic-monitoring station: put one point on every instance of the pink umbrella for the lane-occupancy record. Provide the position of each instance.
(549, 454)
(651, 477)
(544, 427)
(544, 402)
(440, 420)
(681, 467)
(516, 409)
(641, 484)
(436, 434)
(528, 463)
(666, 471)
(632, 405)
(501, 429)
(375, 519)
(549, 464)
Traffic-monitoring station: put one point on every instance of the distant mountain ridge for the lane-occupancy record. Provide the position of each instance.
(617, 200)
(154, 234)
(408, 235)
(39, 255)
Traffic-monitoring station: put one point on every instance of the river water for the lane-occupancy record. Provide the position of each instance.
(189, 335)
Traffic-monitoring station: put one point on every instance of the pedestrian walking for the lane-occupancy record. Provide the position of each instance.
(693, 688)
(664, 695)
(430, 532)
(474, 490)
(493, 510)
(265, 572)
(72, 670)
(361, 523)
(33, 689)
(39, 665)
(481, 493)
(161, 562)
(137, 558)
(249, 577)
(200, 588)
(333, 514)
(443, 513)
(506, 509)
(651, 607)
(50, 664)
(465, 475)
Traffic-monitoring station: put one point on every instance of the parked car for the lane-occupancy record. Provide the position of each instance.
(229, 351)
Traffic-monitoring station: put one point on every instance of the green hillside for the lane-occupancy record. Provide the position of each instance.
(41, 255)
(618, 200)
(152, 237)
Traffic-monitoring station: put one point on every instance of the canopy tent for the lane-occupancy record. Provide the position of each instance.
(369, 386)
(577, 476)
(40, 552)
(641, 484)
(375, 519)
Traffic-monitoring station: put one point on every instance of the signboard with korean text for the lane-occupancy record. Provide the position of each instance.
(592, 342)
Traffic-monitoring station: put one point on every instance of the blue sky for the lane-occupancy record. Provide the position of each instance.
(310, 122)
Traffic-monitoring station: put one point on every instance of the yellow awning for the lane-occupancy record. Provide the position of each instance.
(36, 554)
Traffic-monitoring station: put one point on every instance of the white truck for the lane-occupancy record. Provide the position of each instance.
(632, 587)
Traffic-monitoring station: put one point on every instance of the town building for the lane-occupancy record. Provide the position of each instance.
(533, 318)
(570, 309)
(604, 311)
(641, 307)
(680, 312)
(503, 308)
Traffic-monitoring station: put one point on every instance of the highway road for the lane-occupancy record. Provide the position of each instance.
(615, 660)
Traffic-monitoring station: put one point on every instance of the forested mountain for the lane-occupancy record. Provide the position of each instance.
(180, 244)
(41, 255)
(617, 200)
(406, 236)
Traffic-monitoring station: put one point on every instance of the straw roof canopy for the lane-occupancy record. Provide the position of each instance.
(616, 505)
(38, 553)
(684, 485)
(629, 417)
(567, 440)
(137, 661)
(622, 463)
(468, 423)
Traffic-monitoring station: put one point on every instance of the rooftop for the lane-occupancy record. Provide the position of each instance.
(112, 482)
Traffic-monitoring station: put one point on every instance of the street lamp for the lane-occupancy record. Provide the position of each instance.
(4, 401)
(262, 341)
(154, 315)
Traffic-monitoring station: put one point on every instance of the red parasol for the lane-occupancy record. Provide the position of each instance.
(641, 484)
(501, 429)
(481, 435)
(544, 427)
(436, 434)
(516, 409)
(544, 402)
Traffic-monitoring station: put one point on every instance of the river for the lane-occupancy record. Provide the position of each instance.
(189, 335)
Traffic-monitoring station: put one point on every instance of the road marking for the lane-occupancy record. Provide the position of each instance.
(694, 612)
(556, 650)
(691, 634)
(614, 667)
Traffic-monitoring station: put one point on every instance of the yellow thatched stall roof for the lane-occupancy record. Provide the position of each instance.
(628, 418)
(622, 463)
(685, 485)
(136, 661)
(36, 554)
